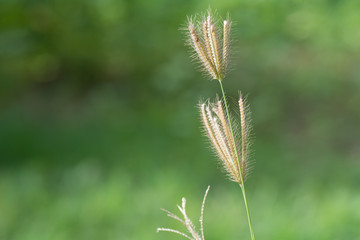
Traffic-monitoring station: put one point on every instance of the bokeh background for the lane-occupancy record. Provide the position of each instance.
(99, 127)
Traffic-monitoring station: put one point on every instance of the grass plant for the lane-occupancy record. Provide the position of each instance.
(229, 137)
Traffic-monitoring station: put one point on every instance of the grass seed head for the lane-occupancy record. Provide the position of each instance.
(231, 151)
(211, 48)
(194, 235)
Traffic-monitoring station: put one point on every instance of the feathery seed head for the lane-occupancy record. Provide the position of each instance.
(211, 49)
(224, 142)
(245, 126)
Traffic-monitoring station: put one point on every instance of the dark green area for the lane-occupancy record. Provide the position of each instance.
(99, 127)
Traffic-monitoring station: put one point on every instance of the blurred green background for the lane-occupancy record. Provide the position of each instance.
(99, 127)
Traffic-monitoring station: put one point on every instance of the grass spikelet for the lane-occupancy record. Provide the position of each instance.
(216, 51)
(209, 131)
(245, 123)
(226, 44)
(205, 30)
(187, 222)
(210, 49)
(200, 51)
(202, 213)
(219, 110)
(218, 130)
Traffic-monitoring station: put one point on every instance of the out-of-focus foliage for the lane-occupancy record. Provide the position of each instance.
(99, 127)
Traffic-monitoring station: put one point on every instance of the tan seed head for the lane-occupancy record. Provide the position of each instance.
(231, 151)
(211, 49)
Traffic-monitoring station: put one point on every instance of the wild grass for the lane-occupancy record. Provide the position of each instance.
(228, 137)
(187, 221)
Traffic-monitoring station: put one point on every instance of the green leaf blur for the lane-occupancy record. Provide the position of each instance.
(99, 127)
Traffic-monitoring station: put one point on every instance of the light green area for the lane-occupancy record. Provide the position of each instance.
(85, 202)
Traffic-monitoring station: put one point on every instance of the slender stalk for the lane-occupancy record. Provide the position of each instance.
(247, 211)
(242, 185)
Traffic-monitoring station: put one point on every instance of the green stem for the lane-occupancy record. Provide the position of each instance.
(242, 186)
(247, 211)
